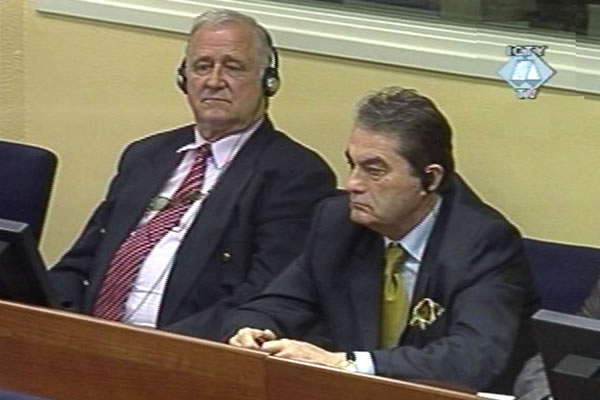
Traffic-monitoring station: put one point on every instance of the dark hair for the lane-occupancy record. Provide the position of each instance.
(421, 131)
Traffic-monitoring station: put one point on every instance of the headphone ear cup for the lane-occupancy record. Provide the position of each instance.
(180, 78)
(271, 81)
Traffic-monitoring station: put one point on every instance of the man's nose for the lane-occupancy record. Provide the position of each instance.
(354, 183)
(215, 78)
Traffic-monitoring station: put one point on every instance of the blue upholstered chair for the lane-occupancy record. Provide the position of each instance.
(26, 177)
(4, 395)
(563, 274)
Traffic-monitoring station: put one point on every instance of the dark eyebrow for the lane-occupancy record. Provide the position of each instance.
(375, 161)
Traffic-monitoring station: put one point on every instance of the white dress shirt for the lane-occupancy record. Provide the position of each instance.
(143, 303)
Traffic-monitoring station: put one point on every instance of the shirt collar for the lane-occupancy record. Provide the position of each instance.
(225, 148)
(415, 240)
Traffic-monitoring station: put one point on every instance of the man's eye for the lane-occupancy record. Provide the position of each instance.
(199, 68)
(375, 172)
(233, 67)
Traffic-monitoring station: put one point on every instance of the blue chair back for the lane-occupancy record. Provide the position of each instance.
(26, 177)
(5, 395)
(563, 274)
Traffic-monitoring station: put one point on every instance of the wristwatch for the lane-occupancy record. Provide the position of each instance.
(349, 363)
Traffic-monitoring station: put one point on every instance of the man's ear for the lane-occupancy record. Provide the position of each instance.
(434, 173)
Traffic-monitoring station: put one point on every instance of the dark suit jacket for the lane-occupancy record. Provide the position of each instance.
(252, 224)
(473, 266)
(532, 383)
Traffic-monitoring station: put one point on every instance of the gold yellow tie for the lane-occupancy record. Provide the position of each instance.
(394, 301)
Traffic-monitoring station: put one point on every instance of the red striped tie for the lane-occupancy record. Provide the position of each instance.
(126, 262)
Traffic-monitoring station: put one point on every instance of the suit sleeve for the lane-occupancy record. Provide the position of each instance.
(71, 273)
(288, 306)
(483, 319)
(280, 223)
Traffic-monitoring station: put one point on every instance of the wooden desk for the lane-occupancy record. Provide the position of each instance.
(65, 356)
(291, 380)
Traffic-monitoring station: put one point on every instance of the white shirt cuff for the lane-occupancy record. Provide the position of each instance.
(364, 362)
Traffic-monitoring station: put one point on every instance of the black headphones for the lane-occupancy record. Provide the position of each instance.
(270, 79)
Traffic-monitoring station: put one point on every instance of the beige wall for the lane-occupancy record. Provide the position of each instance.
(11, 70)
(88, 88)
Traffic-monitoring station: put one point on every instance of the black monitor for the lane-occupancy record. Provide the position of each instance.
(570, 347)
(23, 276)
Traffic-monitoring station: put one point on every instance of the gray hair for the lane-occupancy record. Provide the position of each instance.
(422, 134)
(262, 39)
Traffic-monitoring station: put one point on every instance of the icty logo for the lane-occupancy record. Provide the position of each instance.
(526, 71)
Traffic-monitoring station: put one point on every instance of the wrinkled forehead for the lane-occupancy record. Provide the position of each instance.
(237, 35)
(365, 143)
(366, 136)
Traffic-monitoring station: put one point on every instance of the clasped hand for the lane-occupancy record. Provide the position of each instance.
(266, 341)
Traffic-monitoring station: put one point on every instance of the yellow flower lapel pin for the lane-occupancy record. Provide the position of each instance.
(425, 313)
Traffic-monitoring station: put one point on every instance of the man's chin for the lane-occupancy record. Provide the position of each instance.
(359, 217)
(216, 118)
(218, 111)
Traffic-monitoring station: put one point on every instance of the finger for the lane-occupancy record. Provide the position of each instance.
(246, 337)
(239, 340)
(268, 335)
(292, 349)
(264, 336)
(234, 341)
(274, 347)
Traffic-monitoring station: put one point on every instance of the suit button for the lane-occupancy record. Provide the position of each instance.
(226, 257)
(102, 231)
(86, 282)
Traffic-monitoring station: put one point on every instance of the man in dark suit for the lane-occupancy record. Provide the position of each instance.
(200, 218)
(532, 383)
(450, 307)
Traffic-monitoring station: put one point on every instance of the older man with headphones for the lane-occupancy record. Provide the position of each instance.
(200, 218)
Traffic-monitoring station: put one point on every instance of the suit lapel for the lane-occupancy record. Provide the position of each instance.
(365, 275)
(431, 262)
(149, 180)
(143, 184)
(437, 241)
(212, 220)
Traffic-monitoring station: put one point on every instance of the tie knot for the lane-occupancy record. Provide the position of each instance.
(203, 151)
(394, 254)
(201, 155)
